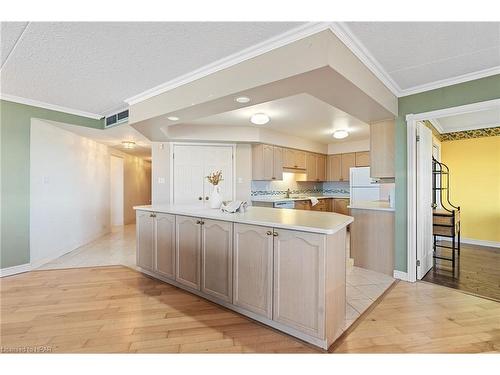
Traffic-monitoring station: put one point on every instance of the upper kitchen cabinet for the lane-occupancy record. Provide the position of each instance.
(267, 162)
(315, 167)
(294, 159)
(382, 149)
(363, 159)
(339, 165)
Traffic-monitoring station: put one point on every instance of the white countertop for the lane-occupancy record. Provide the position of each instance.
(301, 220)
(273, 199)
(372, 205)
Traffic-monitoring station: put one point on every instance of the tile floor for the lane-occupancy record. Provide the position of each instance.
(118, 248)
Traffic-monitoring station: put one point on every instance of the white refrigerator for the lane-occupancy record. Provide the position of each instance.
(362, 186)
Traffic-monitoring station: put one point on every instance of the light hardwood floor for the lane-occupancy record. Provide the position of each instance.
(116, 309)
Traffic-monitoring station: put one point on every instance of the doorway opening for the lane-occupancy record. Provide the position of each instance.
(453, 200)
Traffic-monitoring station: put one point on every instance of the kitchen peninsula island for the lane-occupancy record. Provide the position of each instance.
(282, 267)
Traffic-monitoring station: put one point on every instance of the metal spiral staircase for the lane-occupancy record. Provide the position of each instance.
(446, 216)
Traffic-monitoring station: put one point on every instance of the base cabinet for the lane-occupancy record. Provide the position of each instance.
(253, 269)
(187, 251)
(293, 281)
(216, 259)
(299, 281)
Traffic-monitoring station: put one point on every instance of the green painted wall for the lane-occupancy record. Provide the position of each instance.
(464, 93)
(15, 121)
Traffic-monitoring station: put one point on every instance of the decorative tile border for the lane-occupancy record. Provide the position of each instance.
(256, 193)
(469, 134)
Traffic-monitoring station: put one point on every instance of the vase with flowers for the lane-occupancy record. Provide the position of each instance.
(216, 197)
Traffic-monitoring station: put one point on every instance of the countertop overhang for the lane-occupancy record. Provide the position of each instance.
(372, 205)
(300, 220)
(274, 199)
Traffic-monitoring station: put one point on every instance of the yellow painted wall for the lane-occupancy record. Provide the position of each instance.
(475, 184)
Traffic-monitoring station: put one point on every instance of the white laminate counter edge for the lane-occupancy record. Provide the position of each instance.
(300, 220)
(281, 199)
(373, 208)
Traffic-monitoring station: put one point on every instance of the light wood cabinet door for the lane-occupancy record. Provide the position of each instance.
(277, 163)
(216, 259)
(340, 206)
(303, 205)
(334, 167)
(289, 158)
(311, 166)
(145, 239)
(165, 245)
(363, 159)
(268, 162)
(348, 162)
(187, 251)
(300, 159)
(321, 168)
(253, 269)
(299, 281)
(382, 149)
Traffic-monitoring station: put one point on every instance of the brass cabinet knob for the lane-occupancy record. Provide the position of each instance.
(202, 222)
(275, 234)
(206, 198)
(198, 221)
(269, 232)
(200, 198)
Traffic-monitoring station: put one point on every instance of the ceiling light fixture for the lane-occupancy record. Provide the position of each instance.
(173, 118)
(340, 134)
(128, 144)
(259, 119)
(242, 99)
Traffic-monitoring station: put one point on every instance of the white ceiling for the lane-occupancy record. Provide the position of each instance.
(469, 121)
(94, 66)
(417, 55)
(113, 137)
(300, 115)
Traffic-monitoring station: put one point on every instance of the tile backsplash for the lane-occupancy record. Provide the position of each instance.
(297, 187)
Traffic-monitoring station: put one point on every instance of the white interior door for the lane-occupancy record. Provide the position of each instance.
(116, 186)
(424, 200)
(192, 163)
(219, 158)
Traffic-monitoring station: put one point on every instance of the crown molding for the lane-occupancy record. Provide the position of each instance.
(281, 40)
(342, 31)
(450, 81)
(53, 107)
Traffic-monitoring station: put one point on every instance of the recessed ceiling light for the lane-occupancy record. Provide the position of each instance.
(128, 144)
(173, 118)
(242, 99)
(259, 119)
(339, 134)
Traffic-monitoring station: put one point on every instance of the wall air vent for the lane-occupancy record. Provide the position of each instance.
(116, 119)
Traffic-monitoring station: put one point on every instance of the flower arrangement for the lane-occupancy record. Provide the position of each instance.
(215, 177)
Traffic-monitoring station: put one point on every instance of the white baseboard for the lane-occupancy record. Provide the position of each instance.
(400, 275)
(472, 241)
(9, 271)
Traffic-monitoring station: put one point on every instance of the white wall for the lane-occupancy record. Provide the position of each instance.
(160, 172)
(116, 190)
(69, 191)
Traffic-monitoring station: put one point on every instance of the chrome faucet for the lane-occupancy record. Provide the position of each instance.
(287, 193)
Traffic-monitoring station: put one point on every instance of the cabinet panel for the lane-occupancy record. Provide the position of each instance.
(348, 162)
(268, 159)
(299, 281)
(300, 159)
(187, 251)
(216, 258)
(289, 158)
(382, 149)
(253, 272)
(334, 167)
(363, 159)
(303, 205)
(165, 245)
(321, 168)
(340, 206)
(311, 166)
(145, 239)
(277, 163)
